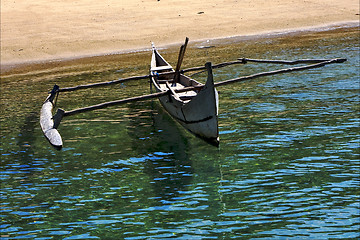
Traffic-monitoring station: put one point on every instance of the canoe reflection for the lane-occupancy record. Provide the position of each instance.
(169, 166)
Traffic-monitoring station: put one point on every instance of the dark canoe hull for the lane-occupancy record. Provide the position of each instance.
(197, 111)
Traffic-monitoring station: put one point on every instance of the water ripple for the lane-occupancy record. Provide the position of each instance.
(287, 166)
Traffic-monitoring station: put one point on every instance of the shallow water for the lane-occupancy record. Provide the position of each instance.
(287, 166)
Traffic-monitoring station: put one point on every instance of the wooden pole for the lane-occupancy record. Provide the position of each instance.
(159, 94)
(112, 103)
(181, 54)
(263, 74)
(220, 65)
(100, 84)
(119, 81)
(180, 59)
(245, 60)
(316, 65)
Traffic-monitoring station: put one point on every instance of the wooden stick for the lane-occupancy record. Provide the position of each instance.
(119, 81)
(245, 60)
(220, 65)
(241, 61)
(100, 84)
(180, 60)
(181, 54)
(159, 94)
(112, 103)
(263, 74)
(316, 65)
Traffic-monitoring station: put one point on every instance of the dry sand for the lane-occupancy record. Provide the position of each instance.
(44, 30)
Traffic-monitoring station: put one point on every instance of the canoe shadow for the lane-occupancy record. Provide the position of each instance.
(169, 165)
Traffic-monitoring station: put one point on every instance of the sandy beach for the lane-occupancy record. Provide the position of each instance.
(43, 30)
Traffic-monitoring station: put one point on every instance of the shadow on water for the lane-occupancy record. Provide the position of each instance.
(168, 164)
(26, 141)
(27, 136)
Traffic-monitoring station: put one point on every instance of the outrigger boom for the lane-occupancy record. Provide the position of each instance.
(50, 123)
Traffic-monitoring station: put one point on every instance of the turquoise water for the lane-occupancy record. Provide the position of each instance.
(287, 166)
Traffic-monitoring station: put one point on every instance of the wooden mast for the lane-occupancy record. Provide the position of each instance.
(180, 59)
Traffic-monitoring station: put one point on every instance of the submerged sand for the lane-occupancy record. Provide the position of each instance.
(43, 30)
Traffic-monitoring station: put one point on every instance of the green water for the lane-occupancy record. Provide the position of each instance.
(287, 166)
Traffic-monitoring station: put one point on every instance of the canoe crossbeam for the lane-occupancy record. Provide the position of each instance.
(220, 65)
(316, 64)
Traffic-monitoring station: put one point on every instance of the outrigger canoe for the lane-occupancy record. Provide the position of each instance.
(195, 110)
(194, 105)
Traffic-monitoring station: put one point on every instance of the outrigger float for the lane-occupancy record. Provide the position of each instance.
(194, 105)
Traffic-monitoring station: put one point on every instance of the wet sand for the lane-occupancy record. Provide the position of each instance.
(46, 32)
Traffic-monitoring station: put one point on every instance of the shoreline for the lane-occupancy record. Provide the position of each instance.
(48, 31)
(10, 66)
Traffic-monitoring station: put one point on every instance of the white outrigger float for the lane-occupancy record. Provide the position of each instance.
(194, 105)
